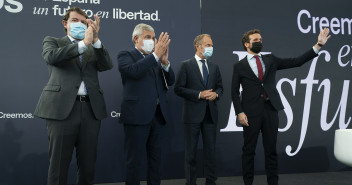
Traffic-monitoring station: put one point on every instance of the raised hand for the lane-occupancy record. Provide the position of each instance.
(323, 36)
(88, 38)
(162, 44)
(165, 58)
(96, 27)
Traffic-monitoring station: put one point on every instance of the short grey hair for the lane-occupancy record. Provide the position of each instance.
(138, 30)
(199, 40)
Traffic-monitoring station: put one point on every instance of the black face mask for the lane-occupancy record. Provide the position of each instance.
(256, 47)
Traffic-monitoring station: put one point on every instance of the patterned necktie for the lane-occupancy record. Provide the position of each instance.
(80, 56)
(205, 72)
(82, 87)
(260, 71)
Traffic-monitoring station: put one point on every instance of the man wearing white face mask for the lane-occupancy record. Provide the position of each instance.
(72, 102)
(199, 83)
(146, 76)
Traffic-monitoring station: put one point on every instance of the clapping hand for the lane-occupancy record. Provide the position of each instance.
(162, 46)
(88, 38)
(96, 27)
(165, 58)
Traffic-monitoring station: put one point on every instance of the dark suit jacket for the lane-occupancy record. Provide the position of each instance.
(66, 75)
(252, 103)
(189, 84)
(143, 81)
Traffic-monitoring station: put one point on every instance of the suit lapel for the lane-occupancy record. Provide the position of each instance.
(86, 56)
(249, 69)
(66, 41)
(211, 72)
(137, 55)
(197, 70)
(267, 64)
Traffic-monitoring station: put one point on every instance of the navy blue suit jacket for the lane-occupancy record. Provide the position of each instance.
(189, 84)
(144, 86)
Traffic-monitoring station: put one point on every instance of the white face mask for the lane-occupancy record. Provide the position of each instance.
(208, 52)
(148, 46)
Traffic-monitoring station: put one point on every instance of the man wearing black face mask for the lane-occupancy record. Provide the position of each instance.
(258, 109)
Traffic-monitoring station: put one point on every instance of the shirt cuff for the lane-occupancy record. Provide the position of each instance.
(156, 57)
(199, 95)
(166, 68)
(315, 50)
(81, 47)
(97, 44)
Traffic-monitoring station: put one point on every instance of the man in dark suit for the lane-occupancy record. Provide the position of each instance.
(146, 76)
(258, 109)
(199, 83)
(72, 102)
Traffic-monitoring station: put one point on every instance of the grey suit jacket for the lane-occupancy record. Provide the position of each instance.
(66, 74)
(189, 84)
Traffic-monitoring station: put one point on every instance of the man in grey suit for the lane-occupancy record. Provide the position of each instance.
(72, 102)
(199, 83)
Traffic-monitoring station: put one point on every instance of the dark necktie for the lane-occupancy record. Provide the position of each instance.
(205, 72)
(83, 85)
(80, 56)
(156, 78)
(260, 71)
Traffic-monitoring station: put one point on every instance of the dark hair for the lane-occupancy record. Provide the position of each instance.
(245, 37)
(198, 40)
(73, 9)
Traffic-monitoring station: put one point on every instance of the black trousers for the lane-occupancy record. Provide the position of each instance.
(141, 140)
(267, 124)
(192, 131)
(80, 130)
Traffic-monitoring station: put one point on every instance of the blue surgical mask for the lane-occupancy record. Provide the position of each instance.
(77, 30)
(148, 46)
(208, 52)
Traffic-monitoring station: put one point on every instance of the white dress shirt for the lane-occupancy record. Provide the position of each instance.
(81, 49)
(253, 64)
(200, 64)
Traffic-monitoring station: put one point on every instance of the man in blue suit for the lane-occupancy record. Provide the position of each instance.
(146, 76)
(199, 83)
